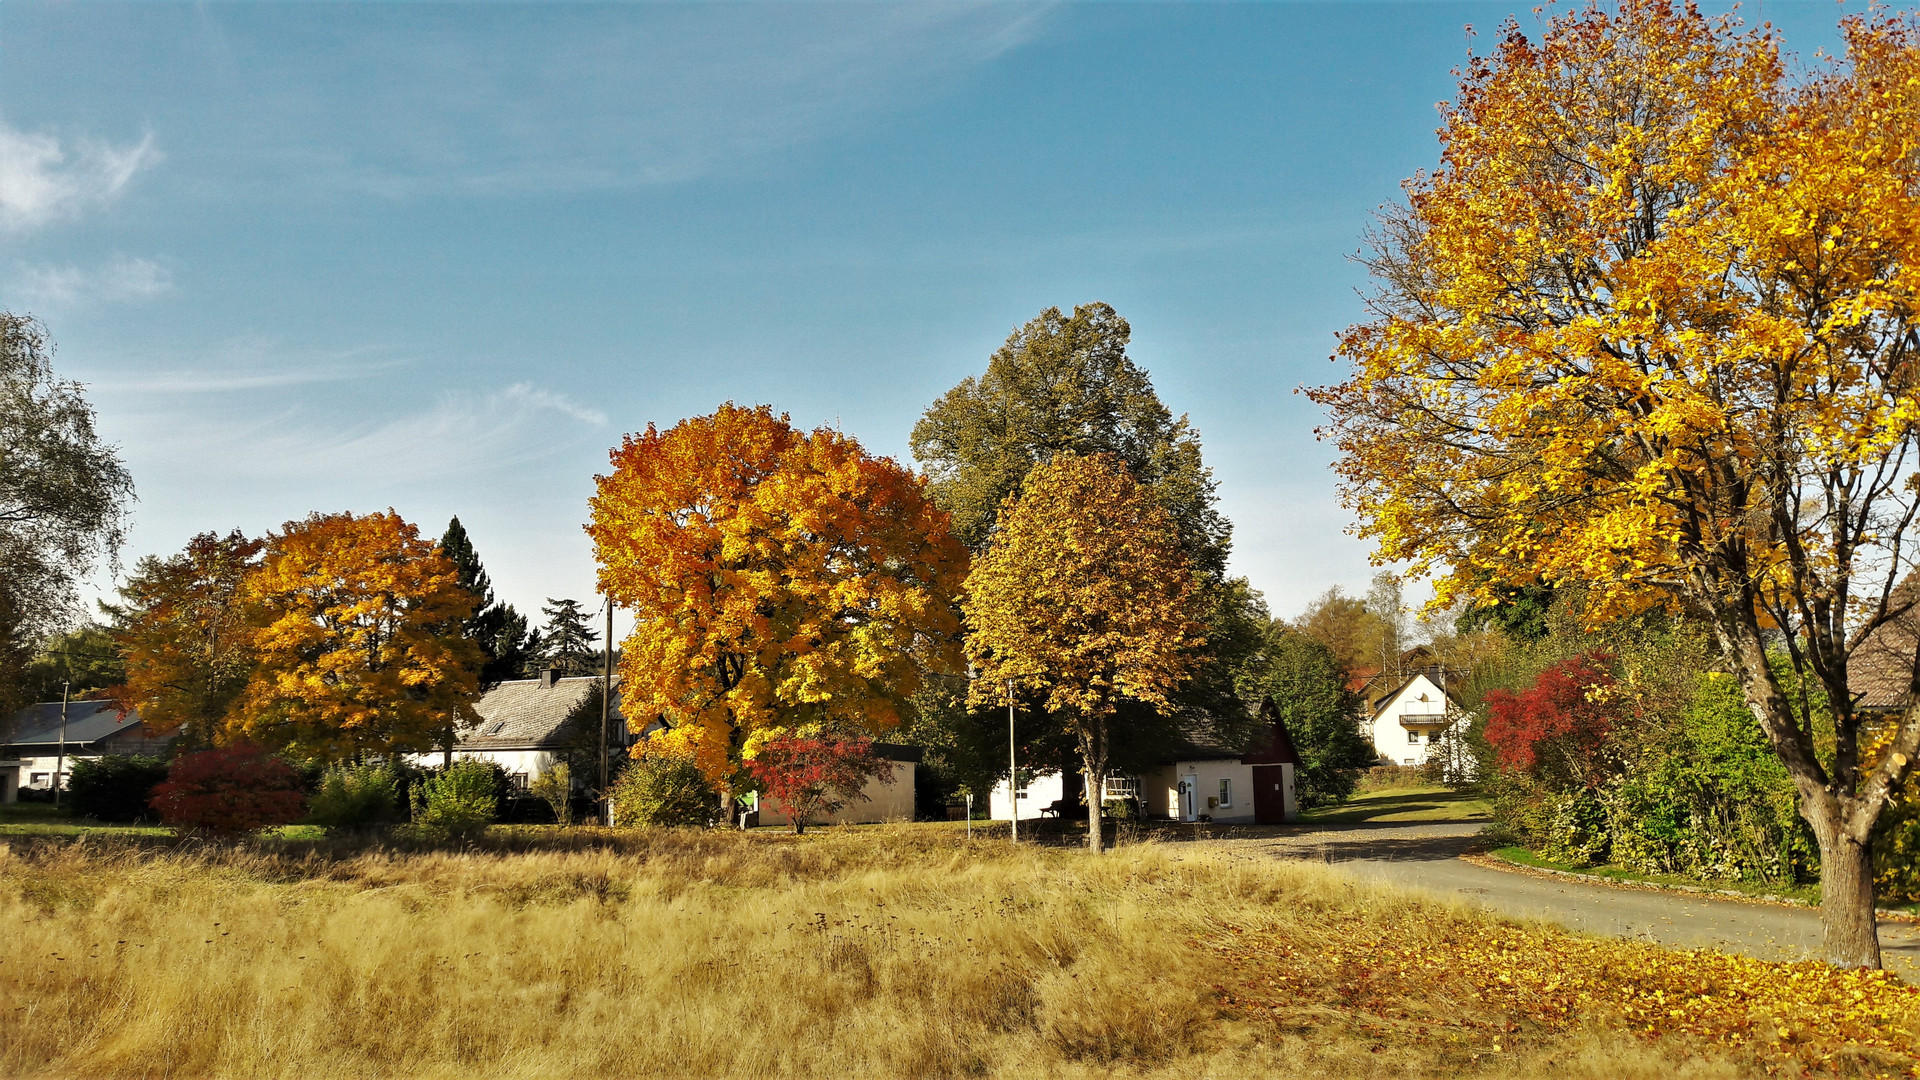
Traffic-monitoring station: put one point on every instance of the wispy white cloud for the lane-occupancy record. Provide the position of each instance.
(43, 178)
(459, 435)
(120, 280)
(423, 99)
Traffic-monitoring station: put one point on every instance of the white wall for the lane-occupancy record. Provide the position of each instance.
(530, 762)
(1208, 775)
(1159, 791)
(1042, 792)
(1420, 698)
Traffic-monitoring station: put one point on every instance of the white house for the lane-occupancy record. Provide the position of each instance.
(1404, 713)
(523, 726)
(42, 736)
(1192, 782)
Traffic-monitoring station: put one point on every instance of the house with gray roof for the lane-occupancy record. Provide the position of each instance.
(523, 726)
(42, 741)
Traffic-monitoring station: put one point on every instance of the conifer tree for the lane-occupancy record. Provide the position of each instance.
(568, 641)
(502, 634)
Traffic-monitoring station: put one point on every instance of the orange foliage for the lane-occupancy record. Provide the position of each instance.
(778, 578)
(185, 636)
(357, 633)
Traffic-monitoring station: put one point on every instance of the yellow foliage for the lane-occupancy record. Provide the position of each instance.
(777, 576)
(356, 631)
(1085, 597)
(1655, 295)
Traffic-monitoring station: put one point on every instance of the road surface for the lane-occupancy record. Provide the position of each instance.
(1427, 857)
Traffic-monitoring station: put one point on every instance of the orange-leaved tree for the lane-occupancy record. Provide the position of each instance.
(777, 578)
(357, 640)
(1084, 601)
(1651, 328)
(183, 630)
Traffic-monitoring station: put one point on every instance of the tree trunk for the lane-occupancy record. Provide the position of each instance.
(1841, 819)
(1846, 897)
(1093, 751)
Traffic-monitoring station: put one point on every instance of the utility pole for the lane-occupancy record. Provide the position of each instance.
(1013, 769)
(606, 711)
(60, 763)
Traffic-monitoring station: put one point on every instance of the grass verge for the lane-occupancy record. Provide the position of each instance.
(1802, 894)
(885, 951)
(1429, 803)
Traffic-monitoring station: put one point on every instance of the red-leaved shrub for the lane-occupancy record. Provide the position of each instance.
(807, 776)
(235, 789)
(1560, 723)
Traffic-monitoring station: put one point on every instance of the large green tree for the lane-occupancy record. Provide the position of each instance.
(80, 662)
(63, 497)
(1308, 685)
(1064, 384)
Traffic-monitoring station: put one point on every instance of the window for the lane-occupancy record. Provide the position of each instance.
(1226, 793)
(1413, 737)
(1410, 761)
(518, 780)
(38, 779)
(1121, 787)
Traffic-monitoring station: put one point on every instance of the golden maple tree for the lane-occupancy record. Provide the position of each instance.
(183, 630)
(778, 578)
(357, 637)
(1083, 601)
(1650, 328)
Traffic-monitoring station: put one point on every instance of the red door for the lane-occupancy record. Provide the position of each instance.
(1269, 797)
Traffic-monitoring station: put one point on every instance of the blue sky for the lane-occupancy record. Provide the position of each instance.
(439, 257)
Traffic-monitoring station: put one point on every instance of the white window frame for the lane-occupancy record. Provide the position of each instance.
(1120, 787)
(1413, 737)
(1226, 792)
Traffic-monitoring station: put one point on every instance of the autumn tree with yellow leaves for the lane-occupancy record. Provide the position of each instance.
(1083, 603)
(778, 578)
(357, 638)
(1651, 327)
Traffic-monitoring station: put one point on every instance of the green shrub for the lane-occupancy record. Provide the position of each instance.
(356, 797)
(1896, 848)
(1120, 809)
(663, 789)
(116, 787)
(460, 802)
(555, 788)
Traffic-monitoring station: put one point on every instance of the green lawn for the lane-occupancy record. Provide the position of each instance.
(1396, 805)
(44, 819)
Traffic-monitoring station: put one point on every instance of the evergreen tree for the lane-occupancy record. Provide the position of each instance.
(568, 641)
(508, 644)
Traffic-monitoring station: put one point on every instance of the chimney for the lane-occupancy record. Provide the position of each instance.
(549, 678)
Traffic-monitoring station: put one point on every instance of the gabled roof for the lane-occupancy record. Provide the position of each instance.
(1391, 692)
(1881, 670)
(1279, 749)
(524, 715)
(88, 722)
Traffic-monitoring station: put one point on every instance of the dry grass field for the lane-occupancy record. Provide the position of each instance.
(886, 951)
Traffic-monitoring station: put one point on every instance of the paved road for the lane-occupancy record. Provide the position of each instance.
(1427, 857)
